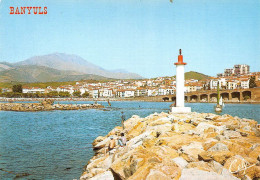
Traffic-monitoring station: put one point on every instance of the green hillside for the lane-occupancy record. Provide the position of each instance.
(195, 75)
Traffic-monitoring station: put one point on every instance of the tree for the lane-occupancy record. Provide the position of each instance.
(17, 88)
(86, 94)
(64, 94)
(53, 94)
(76, 93)
(252, 83)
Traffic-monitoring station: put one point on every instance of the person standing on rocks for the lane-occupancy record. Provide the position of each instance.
(122, 140)
(123, 120)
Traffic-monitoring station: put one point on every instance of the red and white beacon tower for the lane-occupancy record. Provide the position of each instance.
(180, 87)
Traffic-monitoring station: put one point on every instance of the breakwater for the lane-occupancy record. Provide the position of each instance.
(179, 146)
(46, 105)
(139, 99)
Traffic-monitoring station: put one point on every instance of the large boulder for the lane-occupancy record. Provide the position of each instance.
(181, 162)
(196, 174)
(219, 147)
(104, 176)
(219, 156)
(232, 134)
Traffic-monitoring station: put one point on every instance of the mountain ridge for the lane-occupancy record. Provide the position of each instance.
(62, 61)
(32, 73)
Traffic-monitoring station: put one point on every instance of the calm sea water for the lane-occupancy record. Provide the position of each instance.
(57, 144)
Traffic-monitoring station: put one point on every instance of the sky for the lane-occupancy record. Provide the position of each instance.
(140, 36)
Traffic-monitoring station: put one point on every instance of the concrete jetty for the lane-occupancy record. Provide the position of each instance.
(164, 146)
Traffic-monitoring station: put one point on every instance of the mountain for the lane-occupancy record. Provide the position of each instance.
(33, 73)
(195, 75)
(5, 65)
(61, 61)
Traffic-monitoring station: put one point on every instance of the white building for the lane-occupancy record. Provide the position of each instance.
(240, 69)
(129, 93)
(33, 90)
(94, 93)
(244, 83)
(161, 91)
(152, 92)
(231, 84)
(106, 93)
(69, 89)
(213, 84)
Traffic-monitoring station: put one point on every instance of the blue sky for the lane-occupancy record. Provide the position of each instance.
(141, 36)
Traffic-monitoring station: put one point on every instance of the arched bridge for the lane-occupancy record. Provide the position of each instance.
(234, 95)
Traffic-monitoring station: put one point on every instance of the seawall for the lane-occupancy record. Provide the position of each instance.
(43, 106)
(179, 146)
(140, 99)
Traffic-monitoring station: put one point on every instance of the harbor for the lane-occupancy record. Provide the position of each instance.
(58, 144)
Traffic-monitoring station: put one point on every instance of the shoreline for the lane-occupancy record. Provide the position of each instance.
(179, 146)
(110, 99)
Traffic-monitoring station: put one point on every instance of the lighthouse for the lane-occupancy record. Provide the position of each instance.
(180, 108)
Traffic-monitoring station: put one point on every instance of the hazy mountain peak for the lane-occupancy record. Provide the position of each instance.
(63, 61)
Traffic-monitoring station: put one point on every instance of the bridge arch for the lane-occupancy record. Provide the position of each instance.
(213, 97)
(165, 98)
(194, 98)
(173, 98)
(246, 95)
(203, 98)
(225, 96)
(235, 96)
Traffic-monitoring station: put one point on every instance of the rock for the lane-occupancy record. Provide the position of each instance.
(161, 121)
(104, 176)
(255, 153)
(138, 140)
(219, 156)
(195, 174)
(219, 147)
(201, 165)
(220, 137)
(236, 148)
(138, 129)
(159, 146)
(232, 134)
(182, 163)
(210, 117)
(191, 151)
(98, 140)
(102, 144)
(157, 175)
(116, 131)
(204, 126)
(209, 143)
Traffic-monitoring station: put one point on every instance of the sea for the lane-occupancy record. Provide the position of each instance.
(57, 144)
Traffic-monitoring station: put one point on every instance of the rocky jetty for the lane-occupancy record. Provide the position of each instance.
(45, 105)
(179, 146)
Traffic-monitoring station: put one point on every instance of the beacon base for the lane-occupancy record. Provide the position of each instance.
(180, 109)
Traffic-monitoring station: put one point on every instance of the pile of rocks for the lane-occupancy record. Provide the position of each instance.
(45, 106)
(179, 146)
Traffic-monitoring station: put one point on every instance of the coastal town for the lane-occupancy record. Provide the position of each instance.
(238, 77)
